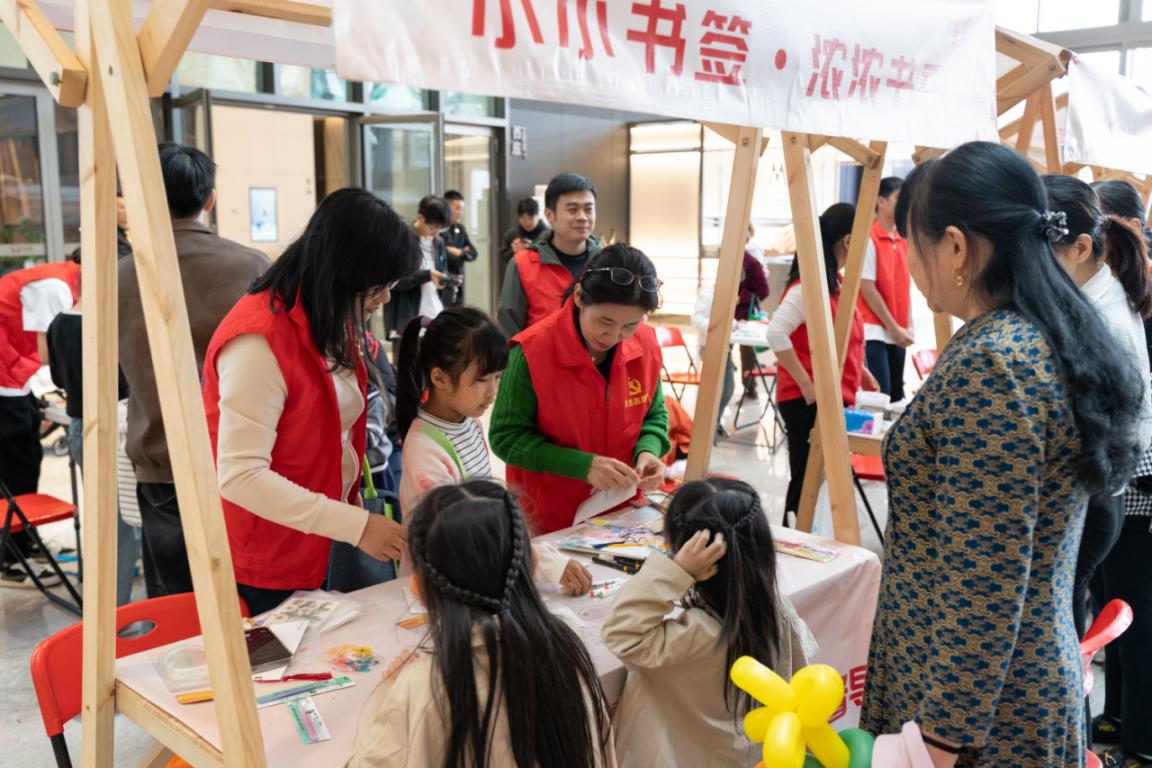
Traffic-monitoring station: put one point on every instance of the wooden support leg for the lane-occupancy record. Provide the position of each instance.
(98, 305)
(943, 325)
(170, 341)
(749, 145)
(825, 362)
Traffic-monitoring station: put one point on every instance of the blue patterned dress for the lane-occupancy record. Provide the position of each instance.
(973, 636)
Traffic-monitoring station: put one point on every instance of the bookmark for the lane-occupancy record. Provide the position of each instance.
(309, 725)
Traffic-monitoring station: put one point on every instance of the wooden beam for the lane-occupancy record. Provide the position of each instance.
(97, 172)
(922, 155)
(942, 325)
(1048, 124)
(285, 10)
(1028, 124)
(63, 74)
(1029, 50)
(167, 30)
(815, 141)
(166, 729)
(749, 145)
(825, 362)
(1012, 76)
(856, 150)
(725, 130)
(1013, 94)
(174, 362)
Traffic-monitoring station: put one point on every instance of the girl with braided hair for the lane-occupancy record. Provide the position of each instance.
(499, 681)
(679, 706)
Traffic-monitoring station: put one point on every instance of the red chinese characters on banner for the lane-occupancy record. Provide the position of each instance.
(723, 48)
(507, 37)
(865, 81)
(853, 690)
(829, 64)
(664, 30)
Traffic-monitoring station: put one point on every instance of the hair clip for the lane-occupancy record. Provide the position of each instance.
(1054, 225)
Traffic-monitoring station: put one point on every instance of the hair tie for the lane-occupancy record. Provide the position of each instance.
(1054, 225)
(425, 321)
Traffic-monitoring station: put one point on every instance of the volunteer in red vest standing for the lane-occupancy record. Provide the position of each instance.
(580, 406)
(284, 390)
(29, 300)
(788, 338)
(886, 295)
(538, 276)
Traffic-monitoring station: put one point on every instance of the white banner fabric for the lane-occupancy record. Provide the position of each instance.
(1109, 120)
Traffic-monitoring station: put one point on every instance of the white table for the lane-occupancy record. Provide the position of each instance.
(837, 599)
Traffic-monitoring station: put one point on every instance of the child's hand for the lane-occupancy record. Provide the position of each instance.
(699, 558)
(576, 579)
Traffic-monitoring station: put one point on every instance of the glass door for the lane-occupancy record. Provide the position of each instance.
(193, 120)
(29, 213)
(470, 157)
(402, 160)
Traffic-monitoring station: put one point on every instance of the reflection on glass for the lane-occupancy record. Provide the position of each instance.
(21, 190)
(201, 70)
(396, 98)
(398, 164)
(467, 105)
(1061, 14)
(68, 154)
(468, 170)
(308, 83)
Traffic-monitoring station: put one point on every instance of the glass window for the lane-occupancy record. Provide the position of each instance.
(1140, 67)
(21, 186)
(1104, 60)
(10, 53)
(68, 154)
(201, 70)
(665, 137)
(395, 98)
(1017, 15)
(306, 83)
(1061, 14)
(467, 105)
(399, 163)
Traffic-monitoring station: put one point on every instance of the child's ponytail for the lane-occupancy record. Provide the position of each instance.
(1128, 256)
(410, 381)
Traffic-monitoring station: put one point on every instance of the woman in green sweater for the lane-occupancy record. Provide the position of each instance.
(580, 406)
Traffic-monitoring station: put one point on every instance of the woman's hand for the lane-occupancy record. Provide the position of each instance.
(383, 539)
(868, 382)
(807, 390)
(902, 337)
(698, 558)
(608, 474)
(576, 579)
(651, 471)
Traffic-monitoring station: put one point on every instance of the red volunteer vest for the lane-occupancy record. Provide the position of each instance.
(544, 285)
(788, 389)
(19, 359)
(892, 277)
(307, 451)
(577, 411)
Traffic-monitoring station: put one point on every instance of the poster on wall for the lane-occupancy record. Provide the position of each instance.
(262, 214)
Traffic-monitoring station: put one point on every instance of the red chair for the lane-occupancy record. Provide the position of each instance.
(1109, 625)
(27, 512)
(924, 360)
(57, 665)
(868, 468)
(670, 337)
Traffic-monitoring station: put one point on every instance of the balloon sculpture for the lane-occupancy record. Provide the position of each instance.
(794, 718)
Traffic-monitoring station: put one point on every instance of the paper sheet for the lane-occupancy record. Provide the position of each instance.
(602, 501)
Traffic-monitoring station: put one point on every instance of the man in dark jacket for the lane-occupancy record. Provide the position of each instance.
(424, 292)
(458, 246)
(529, 227)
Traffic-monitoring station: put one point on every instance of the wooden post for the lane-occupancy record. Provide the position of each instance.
(942, 322)
(1048, 125)
(59, 69)
(170, 340)
(98, 305)
(873, 161)
(749, 144)
(825, 363)
(164, 36)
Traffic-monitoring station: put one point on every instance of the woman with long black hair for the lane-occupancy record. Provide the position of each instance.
(284, 390)
(989, 472)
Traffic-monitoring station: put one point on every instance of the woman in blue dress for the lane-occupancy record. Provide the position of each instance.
(989, 471)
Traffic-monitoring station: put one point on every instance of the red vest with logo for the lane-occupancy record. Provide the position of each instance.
(576, 409)
(544, 284)
(308, 445)
(19, 359)
(788, 389)
(893, 280)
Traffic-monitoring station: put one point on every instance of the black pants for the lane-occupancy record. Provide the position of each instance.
(1101, 529)
(886, 363)
(163, 552)
(260, 600)
(20, 454)
(799, 419)
(1127, 575)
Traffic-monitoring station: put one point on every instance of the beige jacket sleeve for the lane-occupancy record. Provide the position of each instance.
(252, 396)
(636, 629)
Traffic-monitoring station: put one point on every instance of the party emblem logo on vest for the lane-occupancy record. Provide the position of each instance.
(636, 394)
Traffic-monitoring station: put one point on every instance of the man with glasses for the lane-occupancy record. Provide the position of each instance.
(538, 276)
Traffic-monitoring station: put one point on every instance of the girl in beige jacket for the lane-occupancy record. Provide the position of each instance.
(499, 681)
(679, 706)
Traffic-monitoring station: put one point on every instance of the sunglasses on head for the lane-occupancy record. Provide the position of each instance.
(625, 277)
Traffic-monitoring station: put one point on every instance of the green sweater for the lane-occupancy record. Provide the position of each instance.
(515, 440)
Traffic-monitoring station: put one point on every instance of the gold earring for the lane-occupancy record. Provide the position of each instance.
(959, 278)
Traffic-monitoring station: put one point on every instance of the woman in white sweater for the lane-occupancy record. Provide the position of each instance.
(1107, 257)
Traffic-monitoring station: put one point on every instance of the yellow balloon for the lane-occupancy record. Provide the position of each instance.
(764, 685)
(756, 723)
(827, 746)
(783, 747)
(819, 691)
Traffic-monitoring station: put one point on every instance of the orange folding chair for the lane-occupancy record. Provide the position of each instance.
(1112, 622)
(27, 512)
(868, 468)
(57, 661)
(670, 337)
